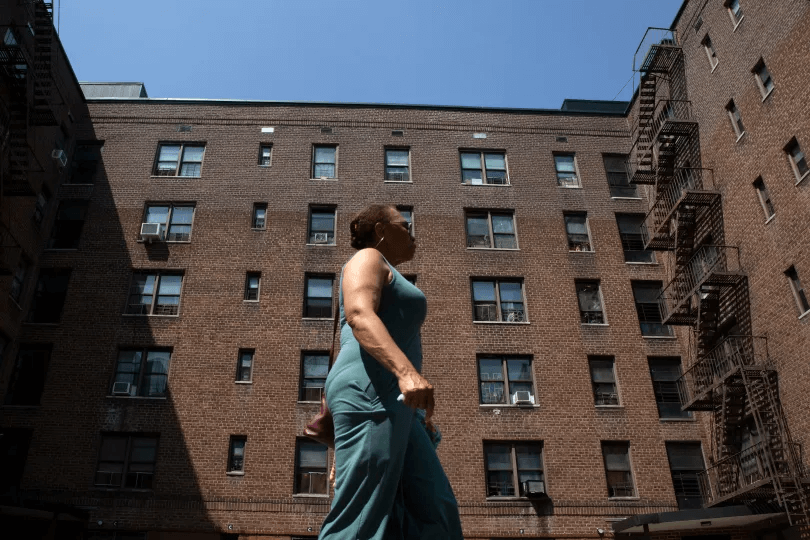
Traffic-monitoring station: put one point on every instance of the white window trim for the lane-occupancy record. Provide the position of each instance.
(491, 230)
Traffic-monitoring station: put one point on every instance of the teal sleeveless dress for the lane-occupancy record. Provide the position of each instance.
(390, 483)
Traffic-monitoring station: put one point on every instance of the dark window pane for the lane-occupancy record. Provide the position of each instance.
(49, 297)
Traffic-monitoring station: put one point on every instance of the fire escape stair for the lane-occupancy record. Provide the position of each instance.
(15, 75)
(42, 113)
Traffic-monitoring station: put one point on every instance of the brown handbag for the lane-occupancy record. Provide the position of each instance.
(321, 427)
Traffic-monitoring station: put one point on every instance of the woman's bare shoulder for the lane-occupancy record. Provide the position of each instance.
(367, 261)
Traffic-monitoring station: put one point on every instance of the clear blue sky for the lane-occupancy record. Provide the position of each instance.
(493, 53)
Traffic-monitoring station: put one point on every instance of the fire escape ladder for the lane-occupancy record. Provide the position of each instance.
(643, 171)
(708, 317)
(42, 111)
(15, 74)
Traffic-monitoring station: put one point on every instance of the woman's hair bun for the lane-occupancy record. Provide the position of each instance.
(362, 226)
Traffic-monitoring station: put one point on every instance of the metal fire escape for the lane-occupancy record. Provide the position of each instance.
(754, 459)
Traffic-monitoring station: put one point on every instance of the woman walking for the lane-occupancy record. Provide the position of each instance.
(389, 482)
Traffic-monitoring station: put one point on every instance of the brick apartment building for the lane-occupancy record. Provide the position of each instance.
(616, 318)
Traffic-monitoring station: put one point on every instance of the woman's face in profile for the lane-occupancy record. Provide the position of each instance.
(397, 232)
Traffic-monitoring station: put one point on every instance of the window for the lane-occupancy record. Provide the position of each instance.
(314, 368)
(86, 158)
(617, 469)
(179, 159)
(646, 295)
(407, 214)
(28, 376)
(14, 443)
(734, 11)
(630, 226)
(763, 78)
(68, 226)
(603, 380)
(478, 168)
(566, 167)
(798, 162)
(498, 300)
(798, 290)
(711, 54)
(686, 464)
(322, 226)
(515, 388)
(244, 365)
(324, 161)
(764, 198)
(126, 461)
(18, 280)
(252, 280)
(142, 372)
(310, 468)
(736, 118)
(155, 293)
(259, 220)
(665, 373)
(49, 296)
(576, 227)
(618, 180)
(236, 454)
(491, 230)
(590, 302)
(509, 465)
(397, 165)
(318, 298)
(41, 206)
(174, 219)
(265, 153)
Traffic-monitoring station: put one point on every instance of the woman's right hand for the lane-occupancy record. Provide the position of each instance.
(418, 392)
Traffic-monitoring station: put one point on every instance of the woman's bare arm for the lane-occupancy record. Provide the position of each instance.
(363, 280)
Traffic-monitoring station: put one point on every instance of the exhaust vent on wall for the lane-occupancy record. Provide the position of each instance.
(183, 128)
(327, 130)
(562, 139)
(397, 133)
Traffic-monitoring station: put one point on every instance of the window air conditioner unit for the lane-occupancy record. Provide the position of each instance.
(59, 155)
(151, 231)
(121, 389)
(321, 238)
(534, 488)
(522, 397)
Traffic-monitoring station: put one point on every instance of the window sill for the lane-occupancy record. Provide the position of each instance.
(264, 166)
(150, 315)
(53, 324)
(110, 489)
(608, 407)
(78, 184)
(492, 249)
(258, 229)
(803, 315)
(485, 185)
(250, 301)
(740, 136)
(144, 398)
(321, 245)
(767, 94)
(60, 250)
(593, 324)
(325, 179)
(770, 219)
(508, 499)
(501, 322)
(312, 495)
(140, 241)
(738, 23)
(626, 198)
(299, 402)
(800, 180)
(235, 473)
(397, 181)
(624, 498)
(507, 405)
(581, 251)
(691, 419)
(317, 318)
(642, 263)
(243, 382)
(672, 338)
(173, 176)
(569, 187)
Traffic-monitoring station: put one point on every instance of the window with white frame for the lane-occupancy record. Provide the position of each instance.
(478, 168)
(734, 11)
(763, 78)
(798, 161)
(798, 290)
(314, 369)
(506, 380)
(397, 165)
(577, 231)
(244, 365)
(618, 181)
(324, 161)
(491, 229)
(665, 373)
(630, 227)
(321, 225)
(179, 159)
(603, 380)
(236, 454)
(618, 473)
(174, 219)
(513, 468)
(311, 468)
(711, 54)
(252, 281)
(764, 198)
(318, 296)
(736, 118)
(589, 297)
(155, 293)
(498, 300)
(126, 461)
(566, 169)
(142, 372)
(259, 218)
(265, 155)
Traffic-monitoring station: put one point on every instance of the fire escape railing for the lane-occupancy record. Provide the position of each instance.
(669, 118)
